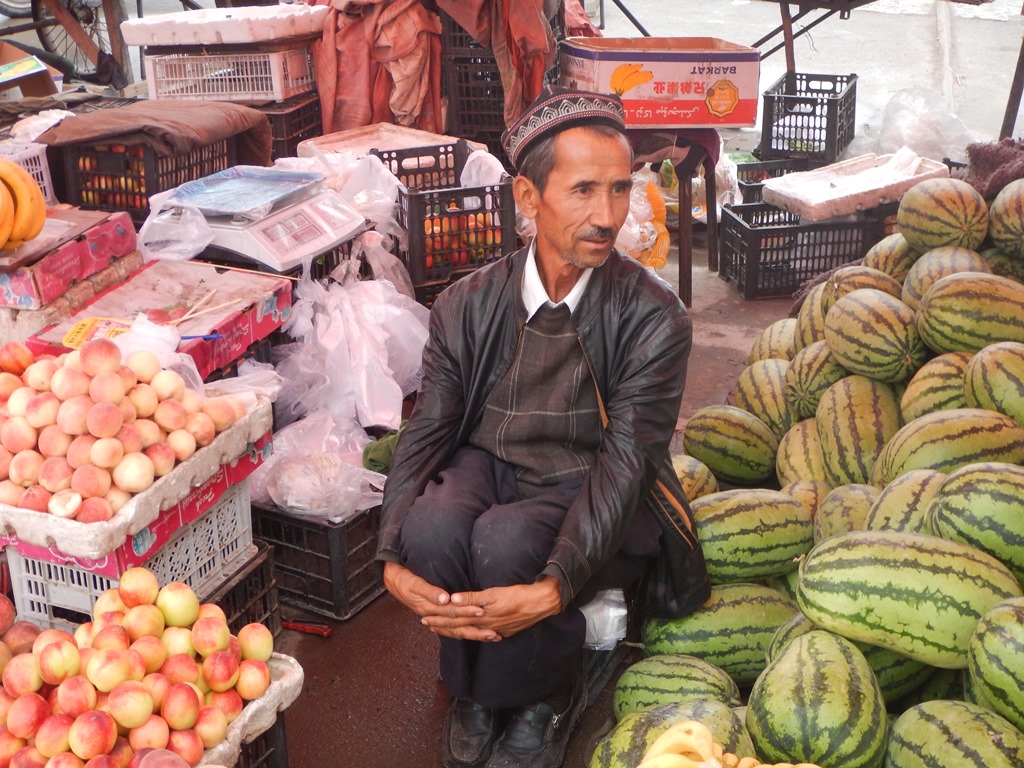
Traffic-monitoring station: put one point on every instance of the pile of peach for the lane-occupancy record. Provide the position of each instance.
(154, 671)
(83, 432)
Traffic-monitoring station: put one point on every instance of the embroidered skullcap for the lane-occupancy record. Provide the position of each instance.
(558, 109)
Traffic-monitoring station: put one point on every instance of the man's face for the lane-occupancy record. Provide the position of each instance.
(586, 199)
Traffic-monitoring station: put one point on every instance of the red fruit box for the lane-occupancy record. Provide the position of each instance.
(73, 245)
(245, 308)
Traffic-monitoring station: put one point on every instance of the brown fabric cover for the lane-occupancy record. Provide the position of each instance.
(171, 128)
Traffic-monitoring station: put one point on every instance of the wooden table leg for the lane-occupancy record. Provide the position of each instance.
(685, 237)
(1013, 101)
(787, 33)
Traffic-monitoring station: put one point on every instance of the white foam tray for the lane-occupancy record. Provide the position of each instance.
(259, 715)
(227, 26)
(848, 186)
(94, 540)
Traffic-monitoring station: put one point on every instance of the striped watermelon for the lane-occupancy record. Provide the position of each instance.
(983, 505)
(668, 678)
(917, 595)
(811, 371)
(844, 509)
(953, 733)
(759, 390)
(874, 334)
(792, 628)
(947, 440)
(903, 504)
(799, 456)
(853, 278)
(818, 702)
(968, 311)
(808, 492)
(1006, 219)
(994, 379)
(940, 684)
(855, 419)
(937, 385)
(777, 341)
(937, 212)
(734, 444)
(891, 255)
(695, 477)
(937, 263)
(810, 318)
(995, 660)
(1003, 265)
(786, 584)
(731, 630)
(751, 534)
(626, 744)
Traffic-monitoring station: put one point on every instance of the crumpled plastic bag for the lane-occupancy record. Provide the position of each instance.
(253, 376)
(372, 247)
(178, 237)
(921, 119)
(162, 340)
(32, 127)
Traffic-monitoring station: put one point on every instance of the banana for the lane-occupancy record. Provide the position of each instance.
(620, 73)
(29, 206)
(6, 214)
(632, 80)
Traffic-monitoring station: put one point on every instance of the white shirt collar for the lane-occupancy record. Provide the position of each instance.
(535, 295)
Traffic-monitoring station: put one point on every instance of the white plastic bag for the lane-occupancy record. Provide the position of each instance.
(607, 618)
(384, 264)
(921, 119)
(162, 340)
(180, 236)
(253, 376)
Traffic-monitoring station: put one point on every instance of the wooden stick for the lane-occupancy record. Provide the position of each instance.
(200, 303)
(249, 271)
(205, 311)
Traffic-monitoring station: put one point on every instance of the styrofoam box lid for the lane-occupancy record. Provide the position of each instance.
(384, 136)
(849, 186)
(94, 540)
(213, 26)
(286, 678)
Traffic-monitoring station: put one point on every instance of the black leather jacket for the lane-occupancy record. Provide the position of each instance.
(637, 336)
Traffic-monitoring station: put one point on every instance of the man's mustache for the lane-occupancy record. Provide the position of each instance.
(597, 233)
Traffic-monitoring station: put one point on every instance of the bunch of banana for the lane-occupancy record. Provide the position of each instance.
(690, 744)
(625, 77)
(22, 206)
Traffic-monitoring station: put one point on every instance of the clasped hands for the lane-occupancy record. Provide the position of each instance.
(485, 616)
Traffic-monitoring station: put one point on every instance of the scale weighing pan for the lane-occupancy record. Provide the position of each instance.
(246, 191)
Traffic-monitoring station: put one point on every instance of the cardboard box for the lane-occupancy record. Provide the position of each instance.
(28, 73)
(668, 82)
(71, 256)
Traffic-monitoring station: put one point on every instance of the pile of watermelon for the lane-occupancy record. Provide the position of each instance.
(860, 501)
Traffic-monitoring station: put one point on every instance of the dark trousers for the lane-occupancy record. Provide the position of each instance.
(469, 531)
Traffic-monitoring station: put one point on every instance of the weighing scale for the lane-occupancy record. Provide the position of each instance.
(304, 222)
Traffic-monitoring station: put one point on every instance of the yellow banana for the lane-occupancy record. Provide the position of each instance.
(620, 73)
(6, 214)
(28, 200)
(634, 79)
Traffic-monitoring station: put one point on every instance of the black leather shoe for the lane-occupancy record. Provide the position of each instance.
(537, 735)
(469, 734)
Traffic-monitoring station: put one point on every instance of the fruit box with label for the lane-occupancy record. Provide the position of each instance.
(668, 82)
(73, 245)
(239, 309)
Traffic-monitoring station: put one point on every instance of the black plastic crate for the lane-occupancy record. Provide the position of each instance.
(320, 268)
(752, 176)
(292, 121)
(268, 750)
(768, 253)
(476, 96)
(113, 176)
(452, 230)
(249, 595)
(323, 567)
(812, 116)
(456, 41)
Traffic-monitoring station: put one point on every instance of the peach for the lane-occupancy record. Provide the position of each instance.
(92, 733)
(28, 757)
(221, 412)
(21, 675)
(201, 687)
(5, 656)
(168, 385)
(187, 745)
(211, 610)
(144, 364)
(20, 636)
(8, 383)
(211, 725)
(122, 752)
(256, 641)
(130, 438)
(152, 734)
(102, 761)
(7, 614)
(41, 411)
(162, 456)
(179, 604)
(24, 467)
(210, 634)
(109, 601)
(138, 586)
(128, 412)
(36, 498)
(180, 668)
(10, 745)
(72, 417)
(19, 399)
(5, 462)
(65, 504)
(200, 426)
(183, 443)
(180, 706)
(72, 359)
(90, 481)
(117, 498)
(26, 714)
(52, 736)
(107, 668)
(221, 670)
(10, 493)
(104, 420)
(253, 679)
(69, 382)
(86, 652)
(65, 760)
(163, 758)
(15, 357)
(5, 706)
(106, 452)
(106, 388)
(76, 695)
(151, 650)
(105, 616)
(136, 665)
(53, 442)
(143, 621)
(80, 450)
(114, 637)
(58, 661)
(170, 415)
(178, 640)
(144, 398)
(134, 473)
(95, 510)
(158, 685)
(83, 634)
(47, 636)
(235, 647)
(130, 703)
(39, 374)
(55, 473)
(128, 378)
(191, 401)
(150, 432)
(17, 434)
(99, 356)
(228, 702)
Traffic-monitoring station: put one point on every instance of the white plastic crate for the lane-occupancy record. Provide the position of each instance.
(202, 555)
(31, 157)
(258, 76)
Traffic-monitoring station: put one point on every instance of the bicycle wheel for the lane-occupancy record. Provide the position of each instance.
(16, 9)
(91, 18)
